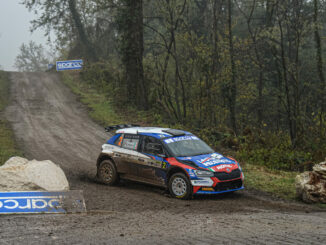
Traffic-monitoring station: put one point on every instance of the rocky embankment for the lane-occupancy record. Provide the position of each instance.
(311, 185)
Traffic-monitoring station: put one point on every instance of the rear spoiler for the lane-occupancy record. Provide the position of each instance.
(119, 126)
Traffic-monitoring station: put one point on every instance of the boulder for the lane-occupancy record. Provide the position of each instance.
(320, 169)
(20, 174)
(311, 185)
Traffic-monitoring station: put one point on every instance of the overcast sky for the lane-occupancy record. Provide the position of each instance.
(15, 30)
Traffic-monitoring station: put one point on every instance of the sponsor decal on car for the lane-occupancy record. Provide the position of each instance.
(208, 160)
(223, 167)
(211, 162)
(156, 164)
(217, 156)
(106, 147)
(164, 164)
(176, 139)
(191, 173)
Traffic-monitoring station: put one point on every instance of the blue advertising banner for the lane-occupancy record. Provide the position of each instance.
(69, 65)
(41, 202)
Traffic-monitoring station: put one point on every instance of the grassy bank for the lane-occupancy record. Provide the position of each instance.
(278, 183)
(8, 147)
(101, 108)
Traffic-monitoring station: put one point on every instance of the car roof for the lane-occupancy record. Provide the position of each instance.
(155, 132)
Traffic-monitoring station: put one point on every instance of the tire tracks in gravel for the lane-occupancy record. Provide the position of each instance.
(50, 123)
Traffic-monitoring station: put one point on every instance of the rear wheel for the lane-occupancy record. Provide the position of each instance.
(179, 186)
(107, 173)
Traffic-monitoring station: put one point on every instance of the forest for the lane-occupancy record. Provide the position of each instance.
(245, 75)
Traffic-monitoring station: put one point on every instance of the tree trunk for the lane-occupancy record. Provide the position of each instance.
(288, 106)
(232, 86)
(260, 85)
(89, 49)
(133, 53)
(320, 65)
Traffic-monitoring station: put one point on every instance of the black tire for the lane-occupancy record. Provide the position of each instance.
(179, 186)
(107, 173)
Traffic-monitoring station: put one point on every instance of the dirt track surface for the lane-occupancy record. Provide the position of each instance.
(50, 123)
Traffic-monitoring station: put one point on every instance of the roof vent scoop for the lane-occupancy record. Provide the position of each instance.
(120, 126)
(174, 132)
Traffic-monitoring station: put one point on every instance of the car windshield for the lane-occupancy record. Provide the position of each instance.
(185, 146)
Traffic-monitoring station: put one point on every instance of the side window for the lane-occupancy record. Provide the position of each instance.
(152, 146)
(118, 141)
(130, 141)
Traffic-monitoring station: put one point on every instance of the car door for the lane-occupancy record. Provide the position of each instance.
(153, 168)
(127, 154)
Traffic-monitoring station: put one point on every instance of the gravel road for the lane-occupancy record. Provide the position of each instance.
(50, 123)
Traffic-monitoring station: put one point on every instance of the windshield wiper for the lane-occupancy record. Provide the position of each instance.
(201, 154)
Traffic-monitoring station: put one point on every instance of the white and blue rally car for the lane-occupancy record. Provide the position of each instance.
(170, 158)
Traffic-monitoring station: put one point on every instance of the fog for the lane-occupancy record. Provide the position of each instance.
(15, 30)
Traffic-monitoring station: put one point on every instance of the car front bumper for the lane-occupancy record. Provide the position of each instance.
(217, 186)
(200, 192)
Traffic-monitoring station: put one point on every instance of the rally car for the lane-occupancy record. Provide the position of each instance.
(170, 158)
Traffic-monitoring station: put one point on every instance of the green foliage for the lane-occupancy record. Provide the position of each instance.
(101, 106)
(273, 150)
(8, 147)
(215, 137)
(278, 183)
(107, 78)
(4, 90)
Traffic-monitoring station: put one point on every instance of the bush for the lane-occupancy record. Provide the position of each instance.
(273, 150)
(107, 78)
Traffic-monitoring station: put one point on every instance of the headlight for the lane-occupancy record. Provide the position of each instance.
(239, 167)
(203, 173)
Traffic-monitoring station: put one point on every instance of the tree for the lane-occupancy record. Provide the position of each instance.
(217, 65)
(84, 39)
(64, 19)
(131, 46)
(32, 57)
(232, 88)
(320, 65)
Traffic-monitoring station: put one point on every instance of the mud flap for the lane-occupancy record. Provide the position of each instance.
(42, 202)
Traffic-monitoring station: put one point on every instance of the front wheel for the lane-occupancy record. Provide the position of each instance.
(107, 173)
(179, 186)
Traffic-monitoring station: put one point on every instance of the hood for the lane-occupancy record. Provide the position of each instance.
(214, 162)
